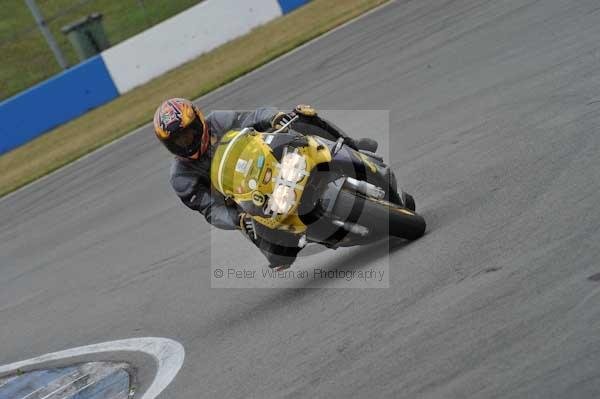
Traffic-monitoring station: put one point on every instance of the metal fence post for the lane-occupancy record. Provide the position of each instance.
(143, 7)
(39, 19)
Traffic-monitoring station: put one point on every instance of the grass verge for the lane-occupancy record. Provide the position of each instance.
(200, 76)
(26, 57)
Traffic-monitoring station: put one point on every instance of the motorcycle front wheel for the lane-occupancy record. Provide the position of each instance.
(380, 216)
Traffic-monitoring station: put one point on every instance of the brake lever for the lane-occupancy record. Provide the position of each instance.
(282, 128)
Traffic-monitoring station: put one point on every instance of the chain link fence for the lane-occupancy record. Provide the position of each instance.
(27, 58)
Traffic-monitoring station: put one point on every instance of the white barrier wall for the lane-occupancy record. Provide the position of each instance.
(132, 63)
(184, 37)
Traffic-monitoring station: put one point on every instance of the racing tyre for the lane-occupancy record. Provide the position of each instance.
(379, 216)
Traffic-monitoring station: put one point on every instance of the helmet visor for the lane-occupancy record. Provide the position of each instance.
(185, 138)
(187, 141)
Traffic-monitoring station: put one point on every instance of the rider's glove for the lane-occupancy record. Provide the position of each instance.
(305, 110)
(247, 226)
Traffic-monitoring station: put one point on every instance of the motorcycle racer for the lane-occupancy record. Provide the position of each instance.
(184, 130)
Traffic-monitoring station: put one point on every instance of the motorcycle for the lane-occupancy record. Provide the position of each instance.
(315, 189)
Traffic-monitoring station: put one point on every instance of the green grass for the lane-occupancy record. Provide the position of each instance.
(27, 59)
(202, 75)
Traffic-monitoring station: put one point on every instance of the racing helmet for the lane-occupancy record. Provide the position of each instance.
(181, 127)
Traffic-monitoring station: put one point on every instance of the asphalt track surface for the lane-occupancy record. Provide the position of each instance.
(495, 115)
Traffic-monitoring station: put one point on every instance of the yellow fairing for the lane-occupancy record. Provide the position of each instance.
(244, 169)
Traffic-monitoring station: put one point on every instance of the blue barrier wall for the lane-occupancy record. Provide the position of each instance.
(54, 102)
(290, 5)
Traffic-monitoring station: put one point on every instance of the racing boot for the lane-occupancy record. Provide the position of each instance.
(407, 200)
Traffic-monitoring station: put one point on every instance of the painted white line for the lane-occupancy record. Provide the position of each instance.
(7, 381)
(49, 384)
(83, 388)
(64, 387)
(32, 393)
(249, 74)
(156, 360)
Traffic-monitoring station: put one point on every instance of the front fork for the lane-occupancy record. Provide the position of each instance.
(332, 227)
(356, 172)
(365, 168)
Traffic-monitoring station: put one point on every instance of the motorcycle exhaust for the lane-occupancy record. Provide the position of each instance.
(365, 188)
